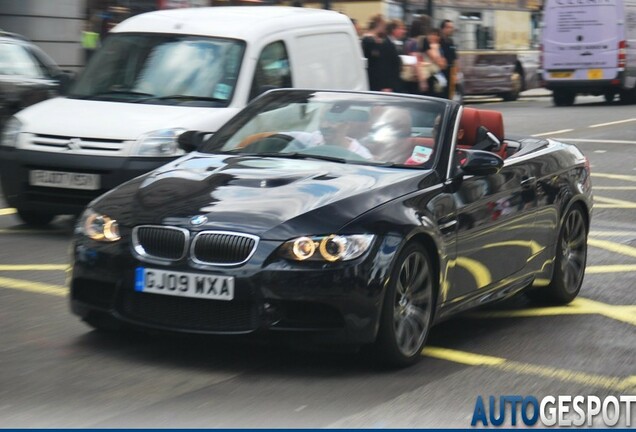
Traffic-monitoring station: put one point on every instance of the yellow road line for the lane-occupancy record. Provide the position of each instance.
(36, 267)
(35, 287)
(7, 211)
(604, 202)
(614, 268)
(613, 247)
(612, 233)
(615, 188)
(31, 231)
(579, 306)
(588, 379)
(462, 357)
(615, 176)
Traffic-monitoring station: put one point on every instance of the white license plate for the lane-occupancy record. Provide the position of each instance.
(180, 284)
(65, 180)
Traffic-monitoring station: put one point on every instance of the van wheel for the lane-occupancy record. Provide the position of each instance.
(628, 97)
(563, 97)
(407, 311)
(35, 218)
(569, 263)
(609, 96)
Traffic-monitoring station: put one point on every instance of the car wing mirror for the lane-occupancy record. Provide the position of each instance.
(479, 162)
(191, 140)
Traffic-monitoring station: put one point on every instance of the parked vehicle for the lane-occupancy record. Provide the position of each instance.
(27, 75)
(156, 75)
(354, 217)
(590, 48)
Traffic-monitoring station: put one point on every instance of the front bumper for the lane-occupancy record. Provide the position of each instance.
(15, 165)
(323, 302)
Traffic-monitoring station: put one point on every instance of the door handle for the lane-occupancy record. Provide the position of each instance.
(528, 181)
(447, 225)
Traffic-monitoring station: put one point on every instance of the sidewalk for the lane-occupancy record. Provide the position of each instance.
(537, 92)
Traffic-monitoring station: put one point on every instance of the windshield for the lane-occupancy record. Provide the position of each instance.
(343, 127)
(162, 69)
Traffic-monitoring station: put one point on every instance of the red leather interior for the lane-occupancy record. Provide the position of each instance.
(473, 118)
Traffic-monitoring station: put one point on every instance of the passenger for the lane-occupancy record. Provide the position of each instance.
(333, 130)
(389, 138)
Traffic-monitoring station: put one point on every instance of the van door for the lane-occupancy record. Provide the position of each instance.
(272, 69)
(581, 39)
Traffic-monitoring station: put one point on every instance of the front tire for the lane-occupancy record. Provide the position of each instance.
(569, 264)
(407, 311)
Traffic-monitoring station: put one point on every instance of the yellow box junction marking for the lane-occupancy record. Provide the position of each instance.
(623, 177)
(34, 287)
(580, 306)
(471, 359)
(604, 202)
(35, 267)
(613, 247)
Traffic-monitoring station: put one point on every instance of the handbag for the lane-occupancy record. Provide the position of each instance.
(408, 72)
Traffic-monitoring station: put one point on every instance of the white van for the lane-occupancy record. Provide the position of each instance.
(589, 47)
(159, 74)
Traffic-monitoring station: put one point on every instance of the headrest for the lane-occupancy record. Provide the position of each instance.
(469, 122)
(493, 121)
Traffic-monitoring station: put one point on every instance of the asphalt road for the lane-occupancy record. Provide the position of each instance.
(55, 372)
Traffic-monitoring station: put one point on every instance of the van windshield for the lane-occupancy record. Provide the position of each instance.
(162, 69)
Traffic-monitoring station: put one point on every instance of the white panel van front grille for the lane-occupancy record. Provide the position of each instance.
(77, 145)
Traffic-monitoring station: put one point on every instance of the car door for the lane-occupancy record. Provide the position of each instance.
(495, 217)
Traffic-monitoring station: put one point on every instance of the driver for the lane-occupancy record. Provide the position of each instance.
(332, 131)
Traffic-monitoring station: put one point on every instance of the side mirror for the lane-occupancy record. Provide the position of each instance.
(479, 162)
(192, 140)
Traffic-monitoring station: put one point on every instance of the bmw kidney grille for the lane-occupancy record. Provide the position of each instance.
(162, 243)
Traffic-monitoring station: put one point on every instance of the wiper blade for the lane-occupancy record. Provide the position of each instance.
(182, 97)
(114, 93)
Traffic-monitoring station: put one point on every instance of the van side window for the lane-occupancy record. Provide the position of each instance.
(272, 69)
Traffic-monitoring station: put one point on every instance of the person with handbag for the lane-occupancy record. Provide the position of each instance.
(433, 64)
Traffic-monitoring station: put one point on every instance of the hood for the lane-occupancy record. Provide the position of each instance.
(273, 198)
(116, 120)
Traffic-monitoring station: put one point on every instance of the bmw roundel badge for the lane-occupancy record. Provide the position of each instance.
(198, 220)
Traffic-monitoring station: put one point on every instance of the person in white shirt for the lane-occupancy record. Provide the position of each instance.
(332, 131)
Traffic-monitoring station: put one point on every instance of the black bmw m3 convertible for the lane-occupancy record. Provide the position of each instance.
(360, 218)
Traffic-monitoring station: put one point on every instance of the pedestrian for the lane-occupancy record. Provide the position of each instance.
(381, 56)
(90, 40)
(395, 30)
(449, 51)
(435, 63)
(412, 47)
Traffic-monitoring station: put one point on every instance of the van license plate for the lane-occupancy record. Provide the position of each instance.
(65, 180)
(594, 74)
(182, 284)
(566, 74)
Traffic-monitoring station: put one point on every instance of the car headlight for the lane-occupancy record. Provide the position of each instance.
(98, 226)
(329, 248)
(11, 131)
(159, 143)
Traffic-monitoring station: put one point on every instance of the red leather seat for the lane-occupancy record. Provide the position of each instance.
(468, 125)
(493, 121)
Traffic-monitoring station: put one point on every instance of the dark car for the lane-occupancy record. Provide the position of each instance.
(362, 218)
(27, 75)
